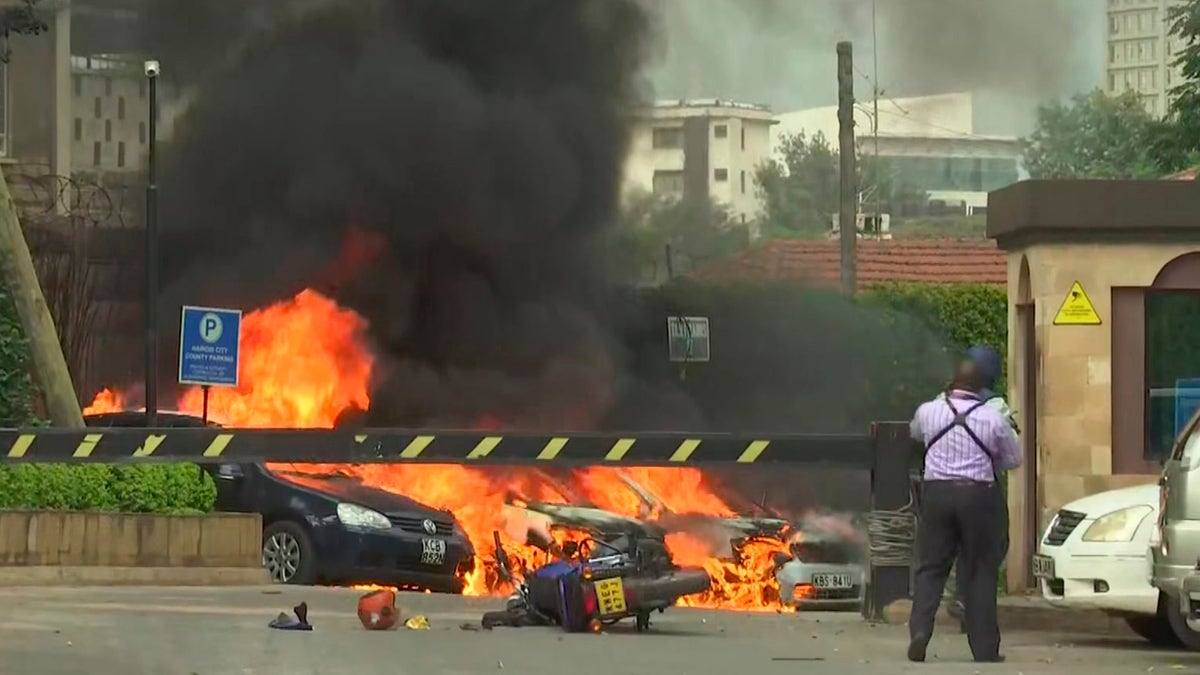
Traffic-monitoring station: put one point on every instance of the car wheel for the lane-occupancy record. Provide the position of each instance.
(288, 554)
(1178, 623)
(1155, 629)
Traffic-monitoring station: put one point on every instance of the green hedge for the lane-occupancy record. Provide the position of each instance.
(963, 314)
(157, 488)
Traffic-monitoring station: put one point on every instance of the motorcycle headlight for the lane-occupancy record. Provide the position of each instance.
(1118, 526)
(360, 516)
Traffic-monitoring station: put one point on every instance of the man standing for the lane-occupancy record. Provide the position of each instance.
(989, 364)
(968, 444)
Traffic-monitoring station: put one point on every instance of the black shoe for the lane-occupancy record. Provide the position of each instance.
(995, 658)
(916, 649)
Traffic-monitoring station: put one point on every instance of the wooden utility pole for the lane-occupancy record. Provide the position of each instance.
(16, 267)
(848, 211)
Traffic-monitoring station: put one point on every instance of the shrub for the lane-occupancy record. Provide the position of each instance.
(157, 488)
(963, 314)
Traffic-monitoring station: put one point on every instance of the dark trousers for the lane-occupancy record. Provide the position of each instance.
(960, 577)
(963, 519)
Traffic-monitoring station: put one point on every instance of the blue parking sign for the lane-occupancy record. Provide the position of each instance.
(208, 346)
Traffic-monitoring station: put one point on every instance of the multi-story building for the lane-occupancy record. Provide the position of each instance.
(111, 114)
(701, 149)
(1141, 52)
(928, 143)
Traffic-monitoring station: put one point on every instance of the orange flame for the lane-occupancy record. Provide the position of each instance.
(305, 361)
(107, 401)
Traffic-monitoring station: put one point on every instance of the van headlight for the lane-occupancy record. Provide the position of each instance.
(360, 516)
(1118, 526)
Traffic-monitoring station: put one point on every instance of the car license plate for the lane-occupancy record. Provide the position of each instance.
(433, 552)
(610, 596)
(1043, 567)
(831, 581)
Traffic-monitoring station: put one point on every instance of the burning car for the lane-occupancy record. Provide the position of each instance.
(820, 571)
(331, 528)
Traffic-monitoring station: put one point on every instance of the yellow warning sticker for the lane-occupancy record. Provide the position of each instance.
(1077, 309)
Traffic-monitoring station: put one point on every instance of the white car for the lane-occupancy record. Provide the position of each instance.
(821, 574)
(1096, 555)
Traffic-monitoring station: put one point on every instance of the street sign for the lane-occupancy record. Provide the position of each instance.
(688, 339)
(208, 346)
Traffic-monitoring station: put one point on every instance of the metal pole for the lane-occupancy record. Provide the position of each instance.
(878, 179)
(204, 414)
(848, 211)
(151, 308)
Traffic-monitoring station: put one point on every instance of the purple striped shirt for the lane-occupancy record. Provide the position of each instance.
(956, 456)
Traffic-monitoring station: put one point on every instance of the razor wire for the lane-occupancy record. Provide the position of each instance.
(45, 198)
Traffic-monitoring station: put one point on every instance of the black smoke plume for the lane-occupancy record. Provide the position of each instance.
(471, 151)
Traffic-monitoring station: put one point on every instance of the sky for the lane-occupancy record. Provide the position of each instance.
(782, 52)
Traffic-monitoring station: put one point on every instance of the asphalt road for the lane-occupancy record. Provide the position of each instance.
(224, 631)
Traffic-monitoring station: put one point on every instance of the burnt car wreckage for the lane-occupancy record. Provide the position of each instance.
(823, 569)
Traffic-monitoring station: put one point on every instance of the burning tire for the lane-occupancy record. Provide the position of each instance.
(288, 554)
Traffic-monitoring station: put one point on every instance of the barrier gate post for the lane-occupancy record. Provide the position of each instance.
(892, 520)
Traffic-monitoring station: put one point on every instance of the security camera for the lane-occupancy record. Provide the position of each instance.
(152, 69)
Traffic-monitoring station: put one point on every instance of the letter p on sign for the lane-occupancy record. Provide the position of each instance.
(211, 328)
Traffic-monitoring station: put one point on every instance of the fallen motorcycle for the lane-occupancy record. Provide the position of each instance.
(596, 583)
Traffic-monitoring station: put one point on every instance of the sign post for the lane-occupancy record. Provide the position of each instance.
(208, 348)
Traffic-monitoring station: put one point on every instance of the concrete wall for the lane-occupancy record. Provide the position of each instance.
(47, 547)
(1074, 385)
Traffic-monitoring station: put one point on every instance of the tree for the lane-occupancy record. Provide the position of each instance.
(800, 190)
(1095, 136)
(1183, 145)
(695, 231)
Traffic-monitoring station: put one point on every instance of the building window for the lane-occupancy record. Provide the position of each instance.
(96, 105)
(720, 175)
(78, 129)
(1112, 53)
(121, 155)
(743, 182)
(108, 86)
(78, 82)
(1172, 367)
(1112, 82)
(121, 108)
(142, 133)
(1114, 25)
(108, 131)
(668, 138)
(743, 135)
(721, 131)
(668, 183)
(96, 153)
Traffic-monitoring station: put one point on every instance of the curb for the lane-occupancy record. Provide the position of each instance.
(1027, 615)
(132, 576)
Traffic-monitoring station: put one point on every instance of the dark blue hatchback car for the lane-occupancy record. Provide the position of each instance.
(332, 528)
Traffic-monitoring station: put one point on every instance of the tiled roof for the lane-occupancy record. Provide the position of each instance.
(819, 262)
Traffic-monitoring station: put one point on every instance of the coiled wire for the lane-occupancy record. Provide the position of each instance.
(892, 534)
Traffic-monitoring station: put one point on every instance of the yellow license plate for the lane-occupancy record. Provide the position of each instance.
(610, 595)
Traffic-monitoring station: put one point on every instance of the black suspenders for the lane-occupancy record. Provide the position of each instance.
(960, 421)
